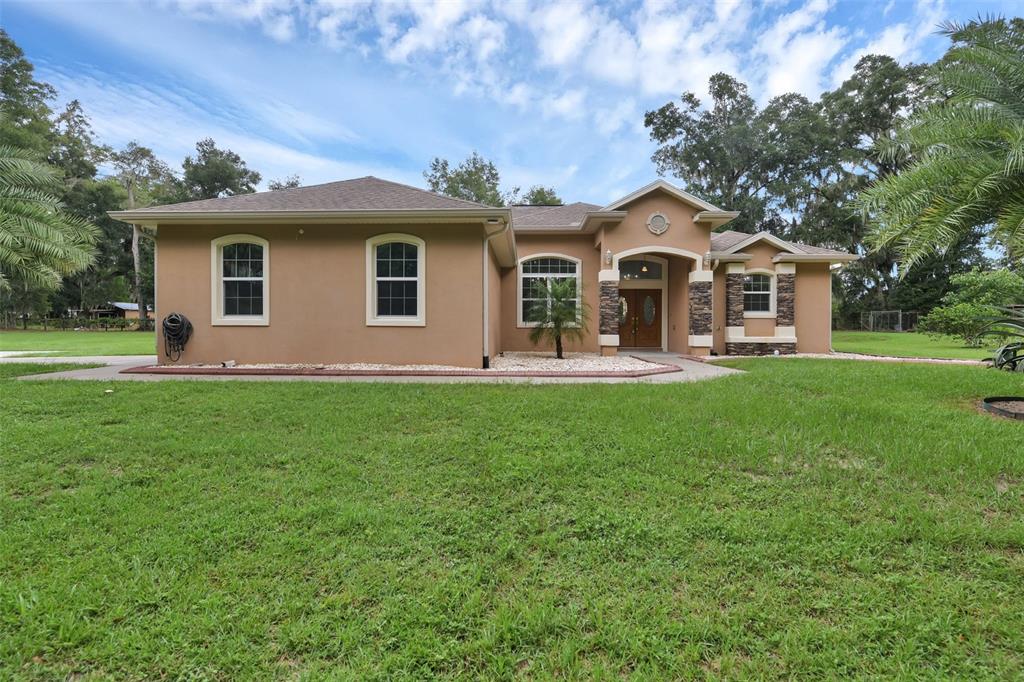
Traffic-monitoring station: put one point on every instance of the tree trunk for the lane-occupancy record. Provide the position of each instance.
(137, 262)
(558, 347)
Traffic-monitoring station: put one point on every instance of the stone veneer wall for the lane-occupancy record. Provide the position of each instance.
(608, 322)
(700, 308)
(734, 300)
(785, 300)
(759, 348)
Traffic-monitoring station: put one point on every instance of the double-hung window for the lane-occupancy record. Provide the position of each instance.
(757, 294)
(241, 280)
(536, 275)
(395, 290)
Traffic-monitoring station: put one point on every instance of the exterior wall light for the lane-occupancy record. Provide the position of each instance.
(608, 257)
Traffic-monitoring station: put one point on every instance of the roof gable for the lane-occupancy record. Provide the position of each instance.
(750, 240)
(663, 186)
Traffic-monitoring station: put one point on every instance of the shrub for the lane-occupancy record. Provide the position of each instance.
(965, 320)
(976, 297)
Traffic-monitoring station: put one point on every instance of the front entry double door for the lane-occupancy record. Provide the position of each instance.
(640, 318)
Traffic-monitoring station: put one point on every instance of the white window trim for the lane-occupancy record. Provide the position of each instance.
(770, 314)
(374, 320)
(520, 323)
(217, 316)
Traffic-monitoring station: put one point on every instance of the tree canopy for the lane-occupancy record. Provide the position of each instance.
(966, 151)
(215, 172)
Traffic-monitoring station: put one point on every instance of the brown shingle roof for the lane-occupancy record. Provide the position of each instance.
(726, 239)
(568, 215)
(360, 194)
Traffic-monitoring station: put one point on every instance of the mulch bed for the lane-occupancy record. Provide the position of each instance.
(1009, 407)
(313, 371)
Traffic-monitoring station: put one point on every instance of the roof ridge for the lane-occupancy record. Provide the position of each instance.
(475, 204)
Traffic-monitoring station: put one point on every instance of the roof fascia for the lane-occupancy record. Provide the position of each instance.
(815, 258)
(462, 215)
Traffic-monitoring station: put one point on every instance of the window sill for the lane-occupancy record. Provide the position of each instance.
(760, 316)
(240, 322)
(396, 322)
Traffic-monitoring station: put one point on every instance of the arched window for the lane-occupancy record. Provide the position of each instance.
(543, 268)
(758, 295)
(396, 274)
(240, 265)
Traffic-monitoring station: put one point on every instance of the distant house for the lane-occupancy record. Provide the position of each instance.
(368, 270)
(120, 309)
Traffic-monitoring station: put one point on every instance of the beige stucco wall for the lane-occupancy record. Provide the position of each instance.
(317, 297)
(494, 305)
(682, 233)
(678, 307)
(813, 308)
(516, 338)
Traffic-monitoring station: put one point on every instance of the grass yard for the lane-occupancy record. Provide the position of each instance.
(72, 343)
(810, 519)
(9, 370)
(906, 345)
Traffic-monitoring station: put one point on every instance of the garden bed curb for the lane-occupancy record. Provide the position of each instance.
(312, 371)
(990, 405)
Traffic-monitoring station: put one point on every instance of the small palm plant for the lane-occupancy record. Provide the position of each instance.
(558, 314)
(1010, 326)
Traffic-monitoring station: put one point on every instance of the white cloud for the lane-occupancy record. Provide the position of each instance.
(568, 105)
(434, 21)
(902, 41)
(610, 120)
(797, 49)
(562, 30)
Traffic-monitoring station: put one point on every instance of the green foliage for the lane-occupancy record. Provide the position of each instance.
(215, 172)
(475, 179)
(987, 287)
(24, 101)
(74, 149)
(966, 321)
(540, 196)
(967, 148)
(807, 519)
(564, 317)
(738, 156)
(39, 241)
(291, 182)
(974, 298)
(1008, 325)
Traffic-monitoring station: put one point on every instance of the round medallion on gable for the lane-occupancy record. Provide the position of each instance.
(657, 223)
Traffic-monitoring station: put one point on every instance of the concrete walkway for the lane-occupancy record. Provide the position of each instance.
(690, 370)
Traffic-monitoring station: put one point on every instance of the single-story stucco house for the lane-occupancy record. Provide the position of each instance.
(368, 270)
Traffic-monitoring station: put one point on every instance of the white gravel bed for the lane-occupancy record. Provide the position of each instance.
(855, 356)
(508, 362)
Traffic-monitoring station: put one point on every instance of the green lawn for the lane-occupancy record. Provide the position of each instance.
(80, 343)
(9, 370)
(811, 519)
(906, 345)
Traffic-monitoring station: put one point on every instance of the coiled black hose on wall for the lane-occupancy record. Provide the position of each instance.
(177, 332)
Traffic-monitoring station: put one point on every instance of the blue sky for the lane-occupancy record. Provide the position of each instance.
(553, 93)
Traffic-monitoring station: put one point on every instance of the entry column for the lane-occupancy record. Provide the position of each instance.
(608, 312)
(700, 288)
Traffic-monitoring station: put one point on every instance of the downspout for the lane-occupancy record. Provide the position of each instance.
(488, 236)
